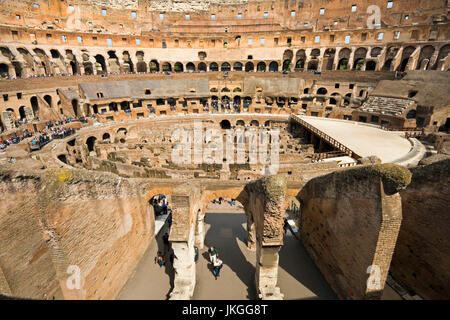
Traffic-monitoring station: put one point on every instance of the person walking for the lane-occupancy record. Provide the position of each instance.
(160, 259)
(217, 267)
(213, 253)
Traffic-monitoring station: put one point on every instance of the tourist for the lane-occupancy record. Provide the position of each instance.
(160, 259)
(217, 266)
(213, 254)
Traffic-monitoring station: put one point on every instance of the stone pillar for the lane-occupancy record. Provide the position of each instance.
(184, 265)
(200, 232)
(266, 275)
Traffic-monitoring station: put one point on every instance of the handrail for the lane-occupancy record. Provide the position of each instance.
(324, 136)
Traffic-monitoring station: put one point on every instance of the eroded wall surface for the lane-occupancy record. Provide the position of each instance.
(350, 222)
(96, 222)
(422, 256)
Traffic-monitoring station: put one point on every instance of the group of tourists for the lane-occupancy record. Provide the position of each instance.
(160, 204)
(14, 139)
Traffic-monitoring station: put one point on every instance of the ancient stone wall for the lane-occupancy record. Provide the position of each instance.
(68, 218)
(349, 222)
(422, 253)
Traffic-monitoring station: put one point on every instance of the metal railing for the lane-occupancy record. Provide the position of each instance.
(324, 136)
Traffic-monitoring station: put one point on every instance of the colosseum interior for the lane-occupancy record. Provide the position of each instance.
(306, 140)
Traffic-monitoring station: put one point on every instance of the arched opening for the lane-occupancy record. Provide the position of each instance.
(273, 66)
(35, 106)
(88, 69)
(237, 66)
(343, 64)
(154, 66)
(55, 54)
(128, 65)
(17, 68)
(300, 64)
(254, 123)
(406, 54)
(106, 137)
(202, 67)
(22, 114)
(240, 123)
(312, 65)
(62, 158)
(73, 67)
(358, 65)
(387, 65)
(371, 65)
(95, 109)
(261, 66)
(178, 67)
(225, 124)
(322, 91)
(190, 67)
(166, 67)
(287, 65)
(288, 55)
(125, 106)
(48, 99)
(213, 67)
(122, 131)
(249, 66)
(425, 56)
(75, 107)
(225, 67)
(4, 70)
(247, 102)
(90, 142)
(100, 64)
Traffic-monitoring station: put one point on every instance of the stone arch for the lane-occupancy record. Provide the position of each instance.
(166, 67)
(154, 66)
(273, 66)
(202, 67)
(240, 123)
(313, 65)
(424, 58)
(254, 123)
(4, 70)
(371, 65)
(443, 53)
(322, 91)
(225, 67)
(288, 55)
(178, 67)
(406, 54)
(213, 66)
(106, 136)
(48, 99)
(22, 113)
(75, 107)
(287, 65)
(90, 142)
(100, 64)
(375, 52)
(387, 65)
(237, 66)
(35, 106)
(261, 66)
(225, 124)
(315, 53)
(249, 66)
(190, 67)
